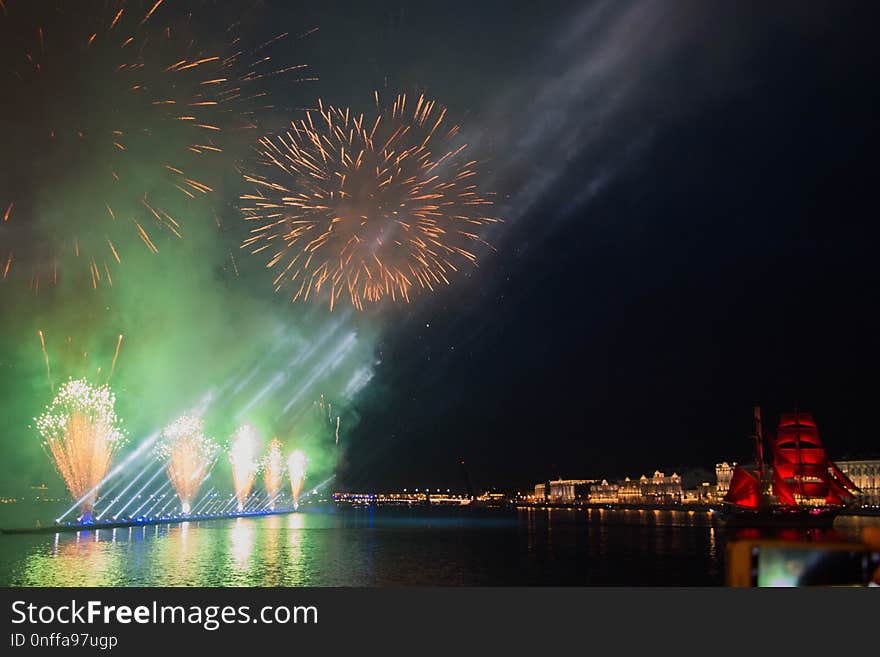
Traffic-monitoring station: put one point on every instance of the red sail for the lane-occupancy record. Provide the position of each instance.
(782, 489)
(744, 489)
(802, 473)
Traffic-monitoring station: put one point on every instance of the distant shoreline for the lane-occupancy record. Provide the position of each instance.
(703, 507)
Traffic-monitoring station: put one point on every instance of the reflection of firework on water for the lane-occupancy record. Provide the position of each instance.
(273, 470)
(366, 207)
(244, 449)
(189, 456)
(296, 466)
(81, 432)
(116, 113)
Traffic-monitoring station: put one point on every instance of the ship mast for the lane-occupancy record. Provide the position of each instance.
(759, 443)
(799, 468)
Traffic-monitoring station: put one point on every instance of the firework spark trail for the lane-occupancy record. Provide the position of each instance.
(327, 411)
(189, 456)
(273, 470)
(365, 207)
(243, 456)
(296, 466)
(81, 432)
(115, 358)
(46, 357)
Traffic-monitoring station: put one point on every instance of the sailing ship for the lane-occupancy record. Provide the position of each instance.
(799, 486)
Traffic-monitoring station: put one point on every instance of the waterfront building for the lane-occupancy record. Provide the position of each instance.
(425, 496)
(630, 491)
(541, 492)
(564, 491)
(603, 493)
(567, 491)
(662, 489)
(656, 489)
(723, 475)
(702, 494)
(865, 475)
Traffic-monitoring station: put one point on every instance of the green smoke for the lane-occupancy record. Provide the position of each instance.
(200, 321)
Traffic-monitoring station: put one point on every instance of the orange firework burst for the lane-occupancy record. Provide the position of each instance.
(112, 114)
(366, 207)
(189, 456)
(82, 433)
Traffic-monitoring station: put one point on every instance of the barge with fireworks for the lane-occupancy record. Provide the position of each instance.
(141, 521)
(798, 486)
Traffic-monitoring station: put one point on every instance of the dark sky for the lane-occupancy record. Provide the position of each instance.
(705, 242)
(689, 195)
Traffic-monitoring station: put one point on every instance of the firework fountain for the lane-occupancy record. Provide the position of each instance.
(273, 471)
(189, 456)
(296, 467)
(244, 448)
(82, 433)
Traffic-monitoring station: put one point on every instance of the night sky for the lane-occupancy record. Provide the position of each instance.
(706, 244)
(689, 195)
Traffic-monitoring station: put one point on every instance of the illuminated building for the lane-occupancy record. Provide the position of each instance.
(603, 493)
(865, 475)
(571, 490)
(723, 475)
(630, 491)
(702, 494)
(410, 498)
(541, 492)
(657, 489)
(564, 491)
(662, 489)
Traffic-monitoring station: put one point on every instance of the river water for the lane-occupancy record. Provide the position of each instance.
(392, 546)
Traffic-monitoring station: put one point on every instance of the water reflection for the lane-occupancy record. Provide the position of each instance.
(81, 560)
(392, 547)
(241, 537)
